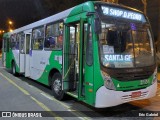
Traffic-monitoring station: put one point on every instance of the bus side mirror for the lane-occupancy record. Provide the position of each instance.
(97, 22)
(97, 26)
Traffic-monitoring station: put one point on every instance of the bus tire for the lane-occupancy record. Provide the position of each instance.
(14, 69)
(56, 85)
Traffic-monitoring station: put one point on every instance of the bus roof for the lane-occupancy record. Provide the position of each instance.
(55, 17)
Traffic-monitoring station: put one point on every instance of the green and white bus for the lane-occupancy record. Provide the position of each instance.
(100, 53)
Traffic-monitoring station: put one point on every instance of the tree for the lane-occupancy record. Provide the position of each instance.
(145, 6)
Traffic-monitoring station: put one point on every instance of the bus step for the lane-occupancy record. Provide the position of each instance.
(73, 94)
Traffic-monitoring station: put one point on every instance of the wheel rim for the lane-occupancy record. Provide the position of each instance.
(57, 86)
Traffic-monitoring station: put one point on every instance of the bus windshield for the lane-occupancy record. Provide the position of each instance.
(126, 45)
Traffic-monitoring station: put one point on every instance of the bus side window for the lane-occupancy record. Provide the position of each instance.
(22, 43)
(89, 49)
(54, 36)
(38, 38)
(73, 40)
(14, 42)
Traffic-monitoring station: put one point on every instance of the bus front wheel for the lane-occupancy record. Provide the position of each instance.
(57, 86)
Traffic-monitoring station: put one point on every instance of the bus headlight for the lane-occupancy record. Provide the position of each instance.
(154, 76)
(107, 81)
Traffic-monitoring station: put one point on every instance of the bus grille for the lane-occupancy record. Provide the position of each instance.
(128, 74)
(132, 76)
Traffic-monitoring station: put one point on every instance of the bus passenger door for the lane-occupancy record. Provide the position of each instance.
(73, 63)
(86, 62)
(71, 44)
(21, 52)
(27, 58)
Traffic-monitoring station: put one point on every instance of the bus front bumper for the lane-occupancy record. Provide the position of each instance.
(109, 98)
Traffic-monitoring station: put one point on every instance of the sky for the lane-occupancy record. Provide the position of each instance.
(16, 11)
(24, 12)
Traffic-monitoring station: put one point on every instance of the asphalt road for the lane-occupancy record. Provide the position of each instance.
(24, 96)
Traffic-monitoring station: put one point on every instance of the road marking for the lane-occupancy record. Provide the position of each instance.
(46, 96)
(82, 118)
(29, 85)
(77, 114)
(34, 99)
(46, 109)
(13, 83)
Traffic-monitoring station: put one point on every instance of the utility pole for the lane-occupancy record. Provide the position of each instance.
(111, 1)
(145, 6)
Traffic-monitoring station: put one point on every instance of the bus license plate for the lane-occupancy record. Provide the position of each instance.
(136, 94)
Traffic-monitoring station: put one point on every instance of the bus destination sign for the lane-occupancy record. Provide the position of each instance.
(122, 13)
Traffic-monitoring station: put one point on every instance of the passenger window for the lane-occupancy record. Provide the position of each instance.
(38, 38)
(54, 36)
(14, 42)
(89, 49)
(20, 39)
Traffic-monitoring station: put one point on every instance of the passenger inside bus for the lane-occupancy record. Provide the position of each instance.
(50, 42)
(36, 45)
(117, 39)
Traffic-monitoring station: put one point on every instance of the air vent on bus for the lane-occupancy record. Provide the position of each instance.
(132, 76)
